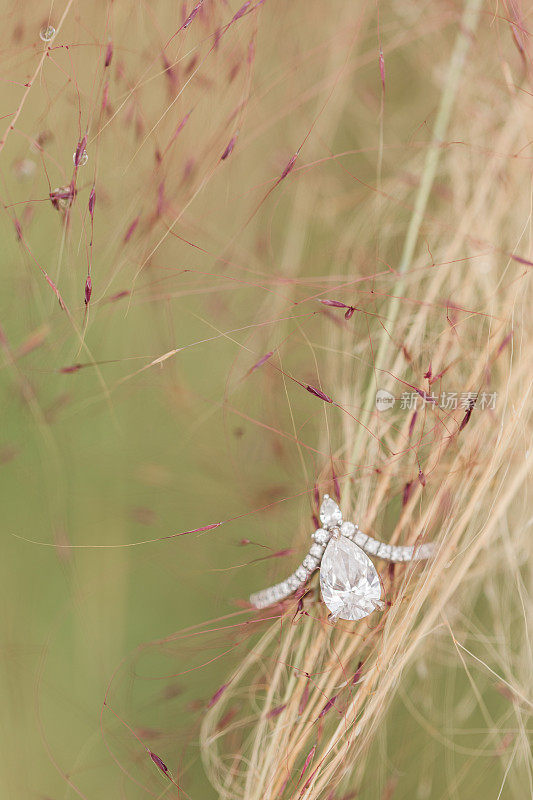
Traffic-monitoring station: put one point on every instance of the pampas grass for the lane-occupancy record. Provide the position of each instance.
(319, 702)
(246, 162)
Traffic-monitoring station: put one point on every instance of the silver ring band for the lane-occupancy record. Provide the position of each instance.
(396, 554)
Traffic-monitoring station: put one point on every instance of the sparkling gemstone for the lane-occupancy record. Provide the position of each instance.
(424, 551)
(310, 562)
(360, 538)
(348, 580)
(316, 550)
(330, 513)
(372, 546)
(395, 553)
(293, 582)
(321, 536)
(385, 551)
(348, 529)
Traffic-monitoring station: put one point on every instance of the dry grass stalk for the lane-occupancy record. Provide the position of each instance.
(306, 728)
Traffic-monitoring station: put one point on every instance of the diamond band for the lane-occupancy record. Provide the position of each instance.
(349, 583)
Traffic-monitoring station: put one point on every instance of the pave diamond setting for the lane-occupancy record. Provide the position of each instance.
(330, 513)
(349, 583)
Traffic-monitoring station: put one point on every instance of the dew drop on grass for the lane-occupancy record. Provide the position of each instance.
(81, 158)
(62, 197)
(47, 33)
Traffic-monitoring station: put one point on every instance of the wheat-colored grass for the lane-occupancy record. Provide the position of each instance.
(473, 503)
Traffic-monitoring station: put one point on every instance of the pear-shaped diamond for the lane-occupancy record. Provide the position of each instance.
(330, 513)
(348, 580)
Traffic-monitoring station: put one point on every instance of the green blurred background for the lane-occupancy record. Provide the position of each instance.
(98, 459)
(102, 464)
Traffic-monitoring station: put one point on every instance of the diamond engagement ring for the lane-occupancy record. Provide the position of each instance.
(349, 583)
